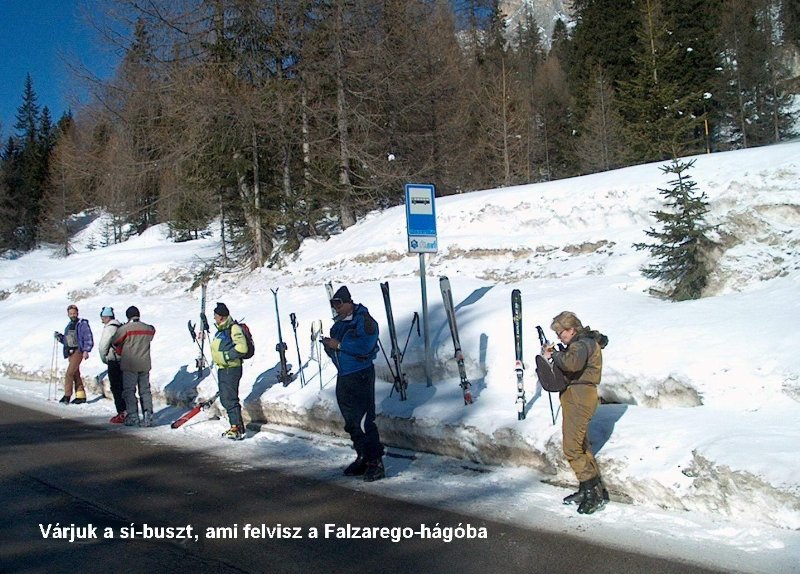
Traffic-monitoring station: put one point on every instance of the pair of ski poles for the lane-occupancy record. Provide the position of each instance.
(52, 389)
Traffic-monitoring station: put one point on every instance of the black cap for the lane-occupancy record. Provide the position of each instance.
(343, 295)
(132, 312)
(222, 310)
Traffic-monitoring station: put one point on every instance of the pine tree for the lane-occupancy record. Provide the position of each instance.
(600, 144)
(658, 109)
(683, 245)
(31, 168)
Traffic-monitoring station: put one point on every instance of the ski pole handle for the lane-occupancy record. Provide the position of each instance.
(542, 337)
(546, 345)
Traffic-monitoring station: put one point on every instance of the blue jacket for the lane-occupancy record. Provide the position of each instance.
(359, 338)
(85, 339)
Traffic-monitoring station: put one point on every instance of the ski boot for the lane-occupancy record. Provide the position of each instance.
(131, 420)
(593, 499)
(80, 398)
(118, 419)
(574, 498)
(374, 471)
(357, 468)
(234, 433)
(64, 400)
(147, 419)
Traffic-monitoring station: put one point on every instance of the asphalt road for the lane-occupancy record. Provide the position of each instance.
(57, 473)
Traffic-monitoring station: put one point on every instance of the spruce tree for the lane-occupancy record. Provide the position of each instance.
(29, 189)
(683, 245)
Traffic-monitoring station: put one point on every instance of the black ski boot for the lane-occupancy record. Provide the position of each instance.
(374, 471)
(357, 468)
(593, 499)
(574, 498)
(64, 400)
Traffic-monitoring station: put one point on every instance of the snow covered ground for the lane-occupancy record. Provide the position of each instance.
(697, 442)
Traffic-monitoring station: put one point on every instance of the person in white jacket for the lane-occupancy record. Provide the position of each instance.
(109, 357)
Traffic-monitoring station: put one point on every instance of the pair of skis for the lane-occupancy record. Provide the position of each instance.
(450, 311)
(284, 376)
(400, 383)
(199, 338)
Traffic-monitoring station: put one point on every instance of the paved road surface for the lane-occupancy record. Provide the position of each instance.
(55, 471)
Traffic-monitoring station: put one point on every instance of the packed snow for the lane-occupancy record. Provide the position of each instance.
(697, 439)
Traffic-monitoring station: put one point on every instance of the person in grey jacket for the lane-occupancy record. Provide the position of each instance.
(109, 356)
(132, 344)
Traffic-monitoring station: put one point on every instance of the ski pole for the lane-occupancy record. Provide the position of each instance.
(389, 364)
(410, 329)
(284, 377)
(293, 320)
(53, 371)
(544, 342)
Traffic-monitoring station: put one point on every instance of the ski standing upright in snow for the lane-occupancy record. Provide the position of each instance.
(200, 339)
(329, 291)
(449, 309)
(284, 377)
(316, 346)
(400, 380)
(293, 319)
(519, 367)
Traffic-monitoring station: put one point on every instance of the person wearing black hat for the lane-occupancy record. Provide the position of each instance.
(227, 349)
(132, 344)
(353, 346)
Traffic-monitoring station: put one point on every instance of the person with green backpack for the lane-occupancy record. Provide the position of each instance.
(228, 347)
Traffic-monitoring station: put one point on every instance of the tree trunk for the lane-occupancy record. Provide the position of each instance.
(346, 215)
(254, 221)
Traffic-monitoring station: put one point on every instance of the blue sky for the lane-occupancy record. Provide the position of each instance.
(42, 37)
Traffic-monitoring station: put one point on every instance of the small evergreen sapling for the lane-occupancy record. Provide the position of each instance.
(683, 246)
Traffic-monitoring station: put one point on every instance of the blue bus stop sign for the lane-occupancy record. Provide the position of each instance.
(421, 218)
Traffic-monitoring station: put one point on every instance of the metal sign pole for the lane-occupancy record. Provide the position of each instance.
(422, 239)
(423, 283)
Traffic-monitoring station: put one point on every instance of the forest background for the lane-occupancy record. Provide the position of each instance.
(287, 119)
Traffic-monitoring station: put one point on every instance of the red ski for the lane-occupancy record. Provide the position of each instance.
(191, 413)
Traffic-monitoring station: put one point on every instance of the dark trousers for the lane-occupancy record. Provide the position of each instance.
(355, 394)
(228, 380)
(115, 382)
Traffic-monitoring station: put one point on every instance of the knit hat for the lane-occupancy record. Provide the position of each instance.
(222, 310)
(132, 312)
(107, 312)
(343, 295)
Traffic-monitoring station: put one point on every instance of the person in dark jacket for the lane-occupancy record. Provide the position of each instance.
(581, 361)
(78, 342)
(353, 346)
(228, 347)
(132, 344)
